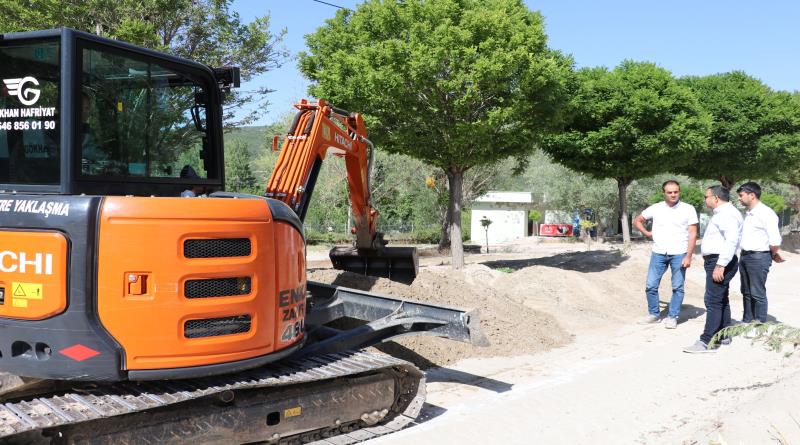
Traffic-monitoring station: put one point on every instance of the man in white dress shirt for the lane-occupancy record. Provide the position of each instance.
(674, 236)
(761, 239)
(719, 245)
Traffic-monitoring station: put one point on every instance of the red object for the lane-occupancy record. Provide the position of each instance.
(555, 229)
(79, 352)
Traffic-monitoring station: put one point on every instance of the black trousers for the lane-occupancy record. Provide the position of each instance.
(753, 270)
(718, 307)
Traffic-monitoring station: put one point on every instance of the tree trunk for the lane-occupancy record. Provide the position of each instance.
(444, 236)
(622, 185)
(727, 182)
(455, 178)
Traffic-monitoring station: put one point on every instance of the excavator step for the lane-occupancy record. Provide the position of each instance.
(337, 398)
(395, 263)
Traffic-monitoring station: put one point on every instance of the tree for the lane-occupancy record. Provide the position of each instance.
(202, 30)
(629, 123)
(755, 131)
(238, 175)
(455, 83)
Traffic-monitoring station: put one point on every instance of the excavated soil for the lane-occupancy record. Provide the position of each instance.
(512, 327)
(532, 298)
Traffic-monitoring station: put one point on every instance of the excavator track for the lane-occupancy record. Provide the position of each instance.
(341, 398)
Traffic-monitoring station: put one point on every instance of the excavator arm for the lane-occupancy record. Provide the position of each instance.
(319, 129)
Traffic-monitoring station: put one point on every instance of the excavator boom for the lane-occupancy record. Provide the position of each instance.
(320, 129)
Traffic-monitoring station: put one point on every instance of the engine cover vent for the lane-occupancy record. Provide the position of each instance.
(215, 327)
(217, 287)
(216, 248)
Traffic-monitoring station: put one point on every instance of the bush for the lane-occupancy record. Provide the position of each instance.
(314, 237)
(429, 235)
(776, 202)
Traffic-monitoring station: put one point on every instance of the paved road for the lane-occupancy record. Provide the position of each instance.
(629, 384)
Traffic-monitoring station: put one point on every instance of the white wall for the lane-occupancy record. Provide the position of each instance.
(507, 225)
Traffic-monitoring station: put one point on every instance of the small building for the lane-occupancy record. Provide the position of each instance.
(508, 212)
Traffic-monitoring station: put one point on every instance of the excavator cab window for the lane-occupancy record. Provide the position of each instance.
(81, 113)
(139, 118)
(29, 111)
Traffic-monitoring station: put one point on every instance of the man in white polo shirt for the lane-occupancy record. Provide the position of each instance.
(674, 236)
(761, 239)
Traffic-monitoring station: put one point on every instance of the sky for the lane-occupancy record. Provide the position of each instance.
(697, 37)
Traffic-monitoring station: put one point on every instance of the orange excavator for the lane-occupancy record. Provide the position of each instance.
(140, 303)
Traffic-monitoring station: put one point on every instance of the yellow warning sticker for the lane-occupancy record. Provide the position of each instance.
(27, 291)
(292, 412)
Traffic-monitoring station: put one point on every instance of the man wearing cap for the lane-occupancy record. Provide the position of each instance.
(719, 245)
(674, 236)
(761, 239)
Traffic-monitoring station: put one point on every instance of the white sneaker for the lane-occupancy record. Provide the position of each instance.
(698, 348)
(670, 323)
(650, 319)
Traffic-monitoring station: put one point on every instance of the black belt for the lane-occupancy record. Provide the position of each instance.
(748, 252)
(710, 256)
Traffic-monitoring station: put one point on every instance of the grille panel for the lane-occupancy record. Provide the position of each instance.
(215, 327)
(217, 287)
(216, 248)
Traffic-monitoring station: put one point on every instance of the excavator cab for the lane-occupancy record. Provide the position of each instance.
(82, 114)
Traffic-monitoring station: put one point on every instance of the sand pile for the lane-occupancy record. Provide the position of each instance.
(512, 327)
(528, 302)
(583, 290)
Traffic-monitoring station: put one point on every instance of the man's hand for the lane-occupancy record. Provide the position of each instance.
(647, 234)
(719, 274)
(687, 261)
(777, 257)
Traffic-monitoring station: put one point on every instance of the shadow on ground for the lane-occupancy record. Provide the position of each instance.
(465, 378)
(429, 412)
(591, 261)
(688, 312)
(436, 374)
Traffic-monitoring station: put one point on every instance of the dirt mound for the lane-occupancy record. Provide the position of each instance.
(512, 327)
(584, 290)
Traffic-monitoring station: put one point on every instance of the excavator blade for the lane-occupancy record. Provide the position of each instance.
(395, 263)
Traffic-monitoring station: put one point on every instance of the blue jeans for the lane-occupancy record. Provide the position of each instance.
(658, 265)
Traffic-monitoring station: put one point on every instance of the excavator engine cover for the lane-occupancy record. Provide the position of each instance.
(396, 263)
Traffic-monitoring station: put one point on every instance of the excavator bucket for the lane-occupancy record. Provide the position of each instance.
(395, 263)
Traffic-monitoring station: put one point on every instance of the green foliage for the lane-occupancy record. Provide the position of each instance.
(238, 175)
(689, 194)
(451, 82)
(429, 235)
(629, 123)
(773, 335)
(776, 202)
(535, 216)
(203, 30)
(314, 237)
(755, 131)
(632, 122)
